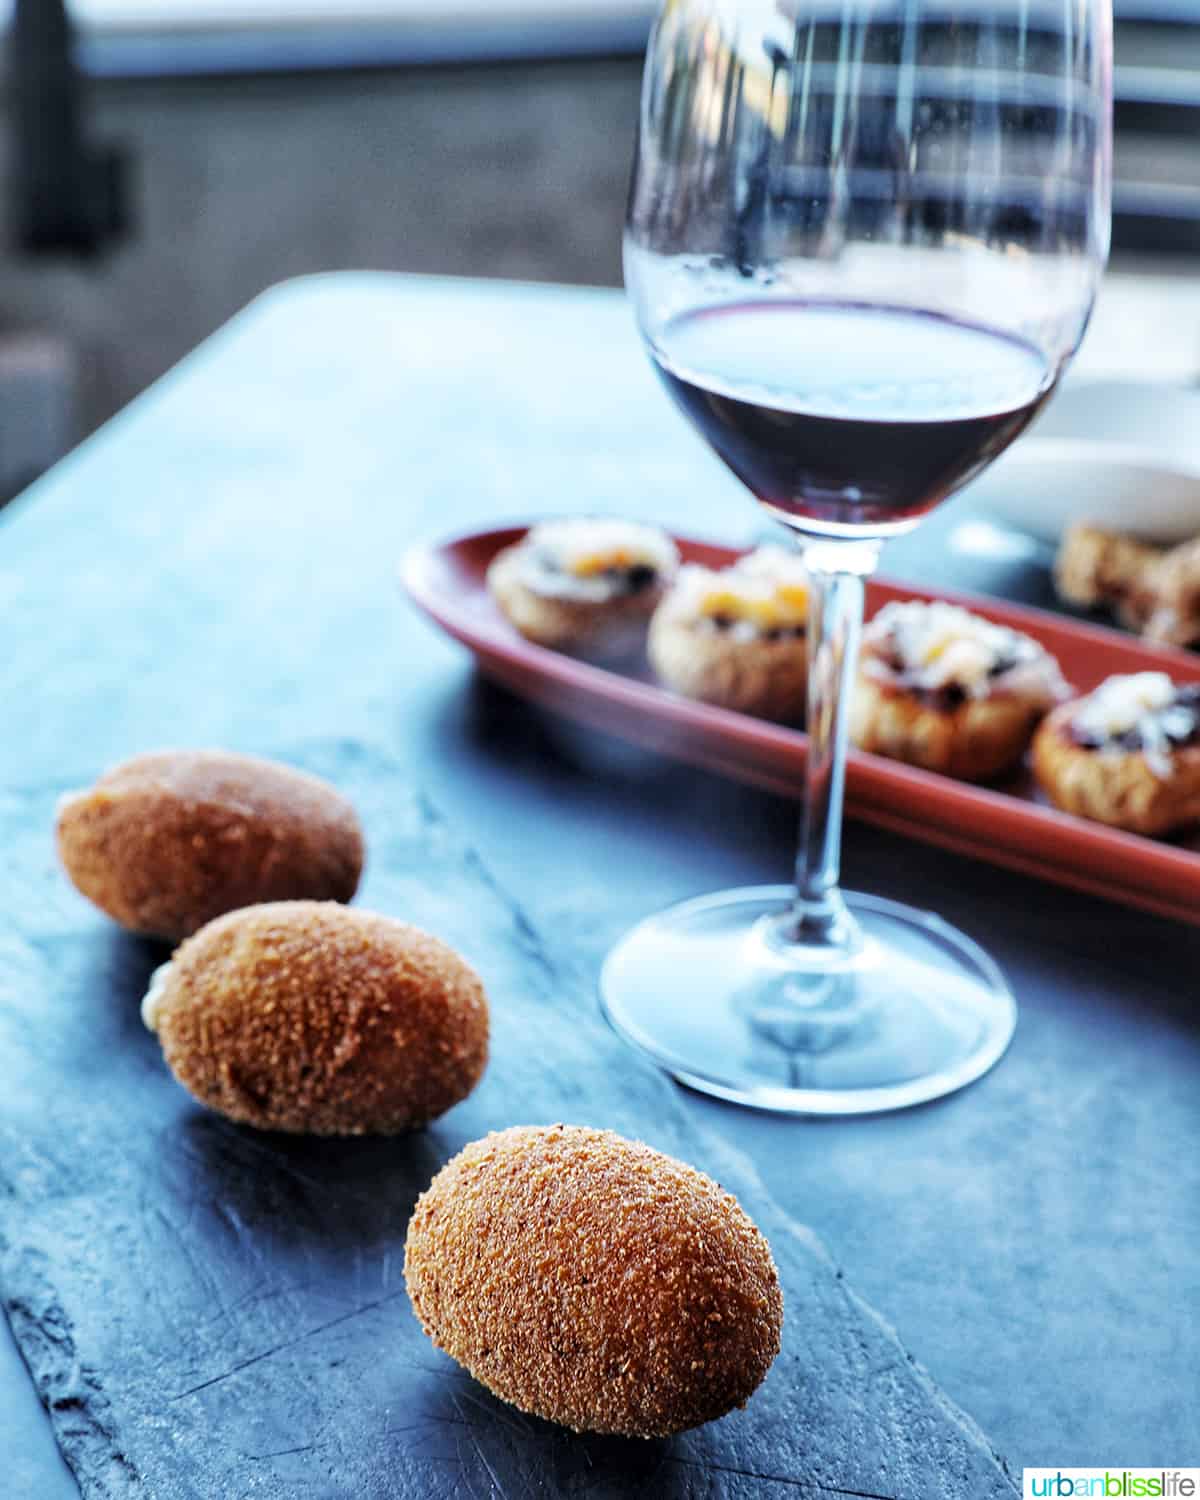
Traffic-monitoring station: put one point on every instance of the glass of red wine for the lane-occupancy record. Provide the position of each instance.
(863, 243)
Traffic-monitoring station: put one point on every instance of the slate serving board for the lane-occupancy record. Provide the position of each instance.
(210, 1311)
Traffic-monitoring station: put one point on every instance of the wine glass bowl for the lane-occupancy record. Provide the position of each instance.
(863, 243)
(916, 193)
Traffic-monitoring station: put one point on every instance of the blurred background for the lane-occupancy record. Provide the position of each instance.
(166, 160)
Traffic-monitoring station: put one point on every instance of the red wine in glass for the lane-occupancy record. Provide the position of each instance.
(862, 245)
(856, 418)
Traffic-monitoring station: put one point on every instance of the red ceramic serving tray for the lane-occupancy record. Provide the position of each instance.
(1005, 823)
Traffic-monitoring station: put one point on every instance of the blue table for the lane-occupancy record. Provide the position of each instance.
(218, 566)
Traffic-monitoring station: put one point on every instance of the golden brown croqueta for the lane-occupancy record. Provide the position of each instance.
(315, 1018)
(593, 1281)
(165, 842)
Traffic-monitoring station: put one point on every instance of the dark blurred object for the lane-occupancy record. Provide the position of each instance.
(39, 417)
(68, 195)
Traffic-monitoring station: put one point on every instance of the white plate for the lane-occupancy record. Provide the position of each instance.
(1119, 454)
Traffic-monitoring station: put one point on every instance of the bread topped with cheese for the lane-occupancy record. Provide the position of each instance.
(1153, 590)
(1127, 754)
(588, 584)
(947, 690)
(737, 637)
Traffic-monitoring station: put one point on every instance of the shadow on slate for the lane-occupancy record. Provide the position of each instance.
(208, 1311)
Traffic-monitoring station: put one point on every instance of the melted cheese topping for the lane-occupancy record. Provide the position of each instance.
(940, 645)
(767, 590)
(1121, 703)
(1145, 705)
(585, 558)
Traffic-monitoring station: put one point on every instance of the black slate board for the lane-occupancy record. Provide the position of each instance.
(208, 1311)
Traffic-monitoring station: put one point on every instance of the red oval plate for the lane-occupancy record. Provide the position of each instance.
(1005, 823)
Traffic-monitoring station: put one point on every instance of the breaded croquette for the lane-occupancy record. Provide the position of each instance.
(318, 1019)
(163, 843)
(593, 1281)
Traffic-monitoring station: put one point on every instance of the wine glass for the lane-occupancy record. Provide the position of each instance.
(864, 240)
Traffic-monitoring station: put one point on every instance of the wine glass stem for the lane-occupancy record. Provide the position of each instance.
(838, 570)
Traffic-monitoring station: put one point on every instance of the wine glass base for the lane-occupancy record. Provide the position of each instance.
(917, 1011)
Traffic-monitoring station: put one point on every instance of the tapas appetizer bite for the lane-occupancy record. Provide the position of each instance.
(1151, 590)
(1174, 616)
(947, 690)
(313, 1018)
(593, 1281)
(165, 842)
(585, 585)
(736, 637)
(1127, 754)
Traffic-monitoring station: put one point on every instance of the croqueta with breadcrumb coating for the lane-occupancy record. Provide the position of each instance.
(165, 842)
(319, 1019)
(593, 1281)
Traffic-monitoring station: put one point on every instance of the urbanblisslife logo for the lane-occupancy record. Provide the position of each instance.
(1113, 1484)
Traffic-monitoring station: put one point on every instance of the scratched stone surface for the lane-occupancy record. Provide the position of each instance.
(210, 1311)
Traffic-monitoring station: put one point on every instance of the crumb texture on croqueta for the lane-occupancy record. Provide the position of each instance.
(594, 1281)
(165, 842)
(316, 1018)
